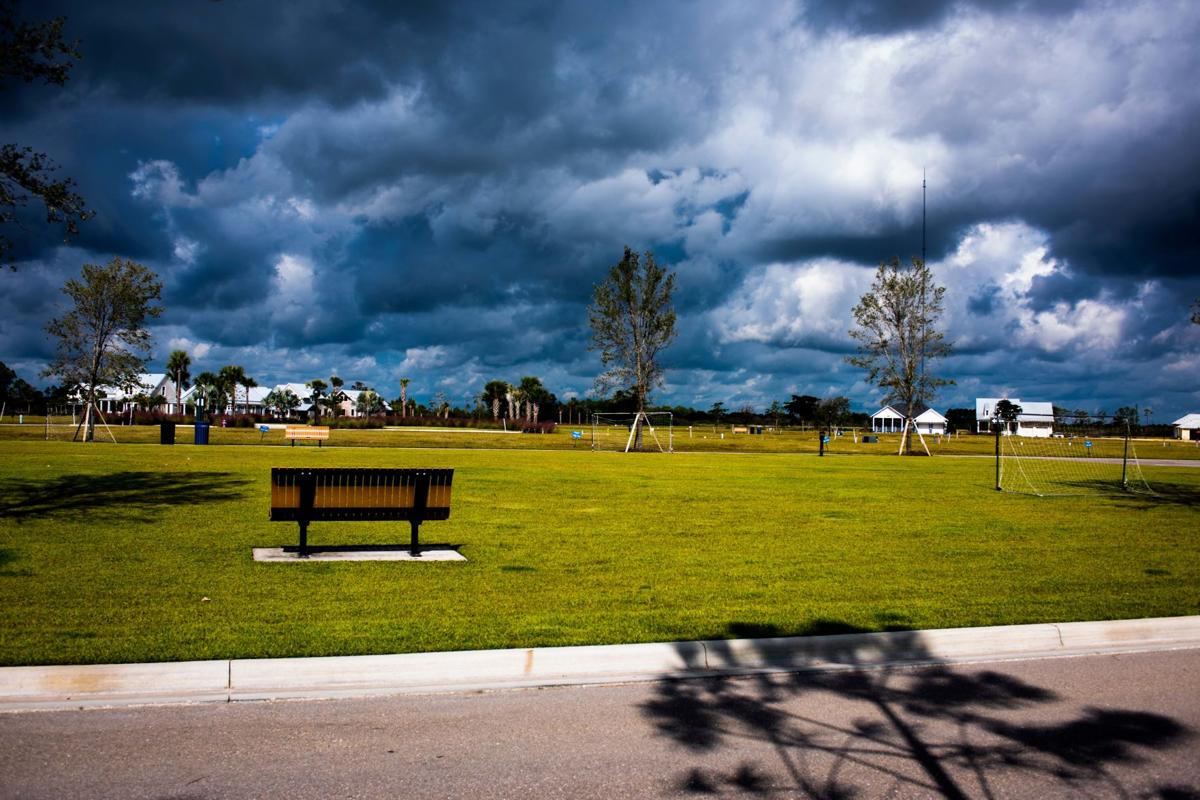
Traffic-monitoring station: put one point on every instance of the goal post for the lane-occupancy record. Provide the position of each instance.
(1048, 456)
(642, 431)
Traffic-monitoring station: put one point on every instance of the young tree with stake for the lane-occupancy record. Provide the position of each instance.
(896, 334)
(632, 322)
(103, 341)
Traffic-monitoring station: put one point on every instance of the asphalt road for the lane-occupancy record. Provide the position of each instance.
(1091, 726)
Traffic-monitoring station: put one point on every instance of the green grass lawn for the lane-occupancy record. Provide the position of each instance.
(685, 439)
(113, 553)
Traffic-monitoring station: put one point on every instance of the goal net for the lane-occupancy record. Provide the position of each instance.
(643, 432)
(1041, 455)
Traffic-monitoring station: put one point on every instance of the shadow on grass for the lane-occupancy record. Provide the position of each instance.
(1167, 494)
(138, 496)
(852, 720)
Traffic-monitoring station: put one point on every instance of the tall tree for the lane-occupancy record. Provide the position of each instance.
(209, 392)
(316, 396)
(103, 339)
(1006, 413)
(336, 397)
(895, 327)
(803, 407)
(248, 383)
(632, 322)
(369, 403)
(31, 52)
(231, 377)
(178, 364)
(283, 400)
(404, 397)
(833, 411)
(493, 394)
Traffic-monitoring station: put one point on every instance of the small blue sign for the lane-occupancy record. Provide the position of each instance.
(825, 439)
(264, 428)
(576, 435)
(1087, 443)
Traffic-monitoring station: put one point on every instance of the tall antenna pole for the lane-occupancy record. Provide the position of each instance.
(922, 215)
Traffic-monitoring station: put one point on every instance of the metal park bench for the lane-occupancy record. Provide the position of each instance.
(306, 432)
(333, 494)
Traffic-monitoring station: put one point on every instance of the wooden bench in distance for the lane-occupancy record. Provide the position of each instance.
(327, 494)
(306, 432)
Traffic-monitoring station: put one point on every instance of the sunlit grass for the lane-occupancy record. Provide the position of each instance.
(108, 552)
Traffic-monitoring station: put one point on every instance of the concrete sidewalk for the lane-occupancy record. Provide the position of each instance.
(59, 687)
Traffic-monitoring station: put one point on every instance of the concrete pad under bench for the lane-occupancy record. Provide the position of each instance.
(288, 555)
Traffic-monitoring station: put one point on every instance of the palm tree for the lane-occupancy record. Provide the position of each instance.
(284, 401)
(317, 387)
(403, 397)
(177, 365)
(231, 377)
(208, 390)
(335, 393)
(248, 383)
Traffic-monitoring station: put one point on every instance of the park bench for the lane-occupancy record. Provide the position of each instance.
(332, 494)
(306, 433)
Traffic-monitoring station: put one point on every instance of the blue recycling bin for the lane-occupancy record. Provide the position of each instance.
(201, 433)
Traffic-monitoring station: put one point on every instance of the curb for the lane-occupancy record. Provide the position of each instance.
(102, 685)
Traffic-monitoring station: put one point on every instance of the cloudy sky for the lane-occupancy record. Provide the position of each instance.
(345, 187)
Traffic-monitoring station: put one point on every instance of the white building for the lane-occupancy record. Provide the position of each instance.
(1187, 428)
(115, 399)
(1036, 418)
(890, 419)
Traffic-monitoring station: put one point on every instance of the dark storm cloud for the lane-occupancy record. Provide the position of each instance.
(887, 16)
(437, 187)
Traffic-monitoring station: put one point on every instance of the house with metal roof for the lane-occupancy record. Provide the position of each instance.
(1036, 418)
(890, 419)
(1187, 428)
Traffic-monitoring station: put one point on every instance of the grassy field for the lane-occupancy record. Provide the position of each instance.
(697, 439)
(112, 553)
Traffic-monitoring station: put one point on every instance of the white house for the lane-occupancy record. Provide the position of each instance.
(985, 409)
(887, 420)
(890, 419)
(301, 391)
(112, 399)
(930, 421)
(1036, 418)
(1187, 428)
(349, 403)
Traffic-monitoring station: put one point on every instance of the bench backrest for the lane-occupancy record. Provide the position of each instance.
(306, 432)
(334, 493)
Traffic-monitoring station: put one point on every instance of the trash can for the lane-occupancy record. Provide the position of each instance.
(166, 433)
(201, 433)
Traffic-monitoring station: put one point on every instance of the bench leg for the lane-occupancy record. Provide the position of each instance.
(414, 543)
(303, 553)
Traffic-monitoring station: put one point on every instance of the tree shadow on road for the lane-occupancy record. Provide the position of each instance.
(932, 730)
(138, 496)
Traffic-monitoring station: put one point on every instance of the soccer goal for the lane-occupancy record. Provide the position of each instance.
(1054, 457)
(642, 432)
